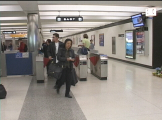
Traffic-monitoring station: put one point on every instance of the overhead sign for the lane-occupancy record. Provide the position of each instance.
(9, 32)
(120, 35)
(18, 35)
(22, 55)
(150, 12)
(69, 19)
(56, 30)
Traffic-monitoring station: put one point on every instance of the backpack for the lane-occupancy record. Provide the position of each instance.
(25, 48)
(84, 51)
(3, 92)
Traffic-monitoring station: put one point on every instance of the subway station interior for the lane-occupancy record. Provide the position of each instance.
(119, 78)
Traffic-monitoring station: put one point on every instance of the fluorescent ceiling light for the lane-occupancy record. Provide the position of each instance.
(13, 18)
(65, 30)
(87, 17)
(78, 23)
(91, 8)
(13, 23)
(70, 25)
(87, 13)
(12, 27)
(10, 8)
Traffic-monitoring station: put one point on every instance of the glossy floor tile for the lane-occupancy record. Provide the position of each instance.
(16, 88)
(130, 93)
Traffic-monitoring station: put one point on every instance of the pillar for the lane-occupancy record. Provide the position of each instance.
(33, 37)
(33, 32)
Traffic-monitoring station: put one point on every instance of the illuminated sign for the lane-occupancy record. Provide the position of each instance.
(151, 12)
(9, 32)
(18, 35)
(69, 19)
(56, 30)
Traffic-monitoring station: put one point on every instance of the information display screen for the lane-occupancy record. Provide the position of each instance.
(137, 20)
(129, 44)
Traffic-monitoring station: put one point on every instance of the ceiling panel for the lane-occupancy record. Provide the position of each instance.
(110, 3)
(11, 8)
(13, 18)
(12, 14)
(69, 13)
(91, 8)
(87, 17)
(9, 2)
(95, 13)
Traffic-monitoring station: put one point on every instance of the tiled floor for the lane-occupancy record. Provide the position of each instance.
(17, 88)
(130, 93)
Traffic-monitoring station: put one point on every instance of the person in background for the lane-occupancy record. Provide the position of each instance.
(44, 42)
(91, 45)
(53, 50)
(86, 41)
(66, 58)
(21, 45)
(4, 47)
(10, 47)
(44, 50)
(45, 47)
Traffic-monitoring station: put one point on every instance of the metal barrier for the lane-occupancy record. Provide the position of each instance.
(81, 67)
(40, 69)
(99, 65)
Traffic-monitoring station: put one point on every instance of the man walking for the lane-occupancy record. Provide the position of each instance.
(53, 50)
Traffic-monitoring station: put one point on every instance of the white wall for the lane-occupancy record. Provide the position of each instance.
(120, 42)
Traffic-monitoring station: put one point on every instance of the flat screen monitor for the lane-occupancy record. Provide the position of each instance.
(130, 44)
(137, 20)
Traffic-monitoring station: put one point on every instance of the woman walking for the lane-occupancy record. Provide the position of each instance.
(66, 58)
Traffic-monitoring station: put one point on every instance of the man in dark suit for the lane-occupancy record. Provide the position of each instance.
(53, 50)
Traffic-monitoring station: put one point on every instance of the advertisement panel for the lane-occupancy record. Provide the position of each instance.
(101, 39)
(140, 42)
(129, 44)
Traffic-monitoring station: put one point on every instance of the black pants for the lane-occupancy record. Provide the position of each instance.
(48, 66)
(66, 77)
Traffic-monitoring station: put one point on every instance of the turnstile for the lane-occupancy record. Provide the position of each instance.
(81, 67)
(99, 65)
(40, 69)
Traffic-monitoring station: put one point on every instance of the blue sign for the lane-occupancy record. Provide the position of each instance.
(18, 55)
(101, 39)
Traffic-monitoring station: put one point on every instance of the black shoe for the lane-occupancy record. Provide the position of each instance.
(55, 87)
(68, 96)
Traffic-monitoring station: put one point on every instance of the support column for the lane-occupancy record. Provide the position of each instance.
(33, 37)
(0, 54)
(33, 31)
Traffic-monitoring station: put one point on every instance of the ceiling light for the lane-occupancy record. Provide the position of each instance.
(88, 17)
(11, 8)
(87, 13)
(13, 23)
(91, 8)
(13, 18)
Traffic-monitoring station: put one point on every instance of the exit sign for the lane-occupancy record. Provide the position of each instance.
(69, 19)
(9, 32)
(150, 12)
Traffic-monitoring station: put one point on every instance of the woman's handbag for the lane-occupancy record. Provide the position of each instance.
(74, 77)
(55, 70)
